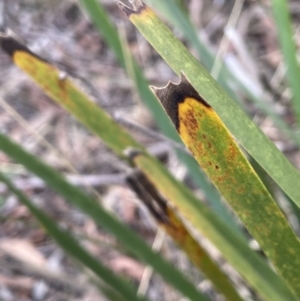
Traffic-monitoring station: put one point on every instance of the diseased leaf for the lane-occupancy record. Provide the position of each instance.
(172, 224)
(235, 119)
(48, 77)
(172, 13)
(233, 247)
(206, 136)
(62, 90)
(42, 71)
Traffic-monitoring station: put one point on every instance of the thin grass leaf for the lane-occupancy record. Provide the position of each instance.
(73, 248)
(88, 205)
(289, 51)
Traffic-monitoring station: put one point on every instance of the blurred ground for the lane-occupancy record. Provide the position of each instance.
(32, 267)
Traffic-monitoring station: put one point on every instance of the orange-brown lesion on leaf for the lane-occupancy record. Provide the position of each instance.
(190, 121)
(233, 151)
(176, 228)
(62, 83)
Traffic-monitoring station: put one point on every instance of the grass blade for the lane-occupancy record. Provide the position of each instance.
(69, 96)
(288, 47)
(88, 205)
(72, 247)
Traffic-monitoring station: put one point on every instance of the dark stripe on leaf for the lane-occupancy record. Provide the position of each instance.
(172, 95)
(11, 45)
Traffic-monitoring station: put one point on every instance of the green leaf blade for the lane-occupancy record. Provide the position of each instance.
(72, 247)
(289, 51)
(88, 205)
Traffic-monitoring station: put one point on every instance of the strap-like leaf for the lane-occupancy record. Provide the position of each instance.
(71, 246)
(220, 157)
(91, 207)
